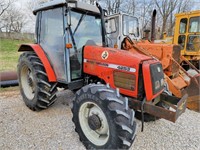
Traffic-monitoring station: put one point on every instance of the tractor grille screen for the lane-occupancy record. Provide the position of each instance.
(124, 80)
(157, 77)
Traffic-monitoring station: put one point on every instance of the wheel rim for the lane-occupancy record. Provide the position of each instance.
(27, 82)
(99, 136)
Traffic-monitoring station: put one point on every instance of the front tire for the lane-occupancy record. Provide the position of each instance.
(35, 89)
(102, 118)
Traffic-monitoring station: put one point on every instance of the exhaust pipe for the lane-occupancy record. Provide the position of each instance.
(9, 83)
(103, 28)
(8, 79)
(153, 24)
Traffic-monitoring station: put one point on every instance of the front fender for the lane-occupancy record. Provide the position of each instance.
(42, 56)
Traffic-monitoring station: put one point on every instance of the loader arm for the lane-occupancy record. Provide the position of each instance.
(179, 80)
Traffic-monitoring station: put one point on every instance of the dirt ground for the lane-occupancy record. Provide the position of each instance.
(21, 128)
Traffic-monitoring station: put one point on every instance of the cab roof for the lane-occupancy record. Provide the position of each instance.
(49, 4)
(190, 13)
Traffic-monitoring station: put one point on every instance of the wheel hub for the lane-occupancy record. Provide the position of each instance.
(27, 82)
(30, 82)
(94, 122)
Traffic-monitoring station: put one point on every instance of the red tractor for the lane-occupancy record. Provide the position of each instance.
(71, 52)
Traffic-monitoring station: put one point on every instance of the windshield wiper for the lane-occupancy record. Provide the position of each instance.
(79, 22)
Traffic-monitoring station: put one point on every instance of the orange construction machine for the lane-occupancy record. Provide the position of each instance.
(123, 32)
(187, 35)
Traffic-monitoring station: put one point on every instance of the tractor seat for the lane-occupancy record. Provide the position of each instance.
(90, 42)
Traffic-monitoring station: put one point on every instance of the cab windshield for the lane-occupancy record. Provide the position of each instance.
(130, 26)
(86, 29)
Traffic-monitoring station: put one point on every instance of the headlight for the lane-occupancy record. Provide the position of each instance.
(157, 85)
(157, 77)
(162, 82)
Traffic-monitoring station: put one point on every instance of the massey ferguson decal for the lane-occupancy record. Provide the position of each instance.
(104, 55)
(113, 66)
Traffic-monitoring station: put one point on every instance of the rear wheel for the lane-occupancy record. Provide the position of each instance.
(102, 118)
(35, 89)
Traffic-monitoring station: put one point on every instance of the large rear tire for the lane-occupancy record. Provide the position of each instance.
(102, 118)
(35, 89)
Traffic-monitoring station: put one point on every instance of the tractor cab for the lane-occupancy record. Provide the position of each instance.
(60, 24)
(119, 26)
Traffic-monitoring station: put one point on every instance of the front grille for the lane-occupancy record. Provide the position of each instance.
(157, 77)
(124, 80)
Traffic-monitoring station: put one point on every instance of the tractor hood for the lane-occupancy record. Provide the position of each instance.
(117, 67)
(114, 56)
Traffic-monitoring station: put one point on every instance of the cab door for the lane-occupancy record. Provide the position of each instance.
(84, 29)
(51, 39)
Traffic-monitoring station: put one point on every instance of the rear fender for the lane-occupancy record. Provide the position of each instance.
(41, 54)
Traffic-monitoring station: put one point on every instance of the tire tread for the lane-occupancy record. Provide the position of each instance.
(46, 94)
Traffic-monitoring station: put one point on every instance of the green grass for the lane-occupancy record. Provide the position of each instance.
(9, 54)
(8, 89)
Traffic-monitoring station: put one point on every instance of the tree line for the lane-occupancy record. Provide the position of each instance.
(14, 19)
(166, 9)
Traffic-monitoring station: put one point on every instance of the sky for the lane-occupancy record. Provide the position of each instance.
(30, 25)
(21, 3)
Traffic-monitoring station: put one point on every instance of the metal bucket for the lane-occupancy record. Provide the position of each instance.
(193, 91)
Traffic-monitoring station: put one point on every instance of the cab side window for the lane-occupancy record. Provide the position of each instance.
(181, 41)
(183, 26)
(182, 31)
(52, 40)
(193, 43)
(194, 24)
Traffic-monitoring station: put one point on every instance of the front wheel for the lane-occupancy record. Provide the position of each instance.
(102, 118)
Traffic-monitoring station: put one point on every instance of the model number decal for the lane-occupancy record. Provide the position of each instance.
(123, 68)
(108, 65)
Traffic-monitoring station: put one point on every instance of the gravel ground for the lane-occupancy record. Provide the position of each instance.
(21, 128)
